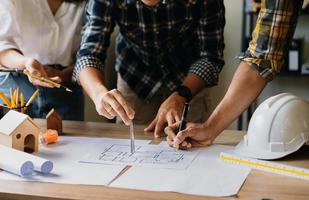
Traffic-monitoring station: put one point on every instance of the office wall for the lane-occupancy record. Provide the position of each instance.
(232, 38)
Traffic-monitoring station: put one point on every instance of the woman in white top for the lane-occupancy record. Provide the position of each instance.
(43, 37)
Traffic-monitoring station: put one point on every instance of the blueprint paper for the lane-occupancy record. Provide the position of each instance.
(65, 154)
(146, 155)
(206, 176)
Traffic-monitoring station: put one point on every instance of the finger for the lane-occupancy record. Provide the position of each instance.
(170, 119)
(56, 79)
(201, 144)
(174, 126)
(185, 146)
(170, 140)
(169, 131)
(109, 109)
(119, 110)
(151, 126)
(33, 71)
(104, 112)
(40, 83)
(177, 118)
(181, 136)
(159, 127)
(126, 106)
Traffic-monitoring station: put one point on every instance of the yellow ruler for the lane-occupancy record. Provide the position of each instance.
(267, 166)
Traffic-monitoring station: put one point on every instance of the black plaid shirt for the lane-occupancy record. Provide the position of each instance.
(156, 46)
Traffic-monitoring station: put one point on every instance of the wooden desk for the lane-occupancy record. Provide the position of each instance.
(258, 185)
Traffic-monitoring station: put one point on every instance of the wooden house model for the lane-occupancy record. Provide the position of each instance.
(54, 121)
(19, 131)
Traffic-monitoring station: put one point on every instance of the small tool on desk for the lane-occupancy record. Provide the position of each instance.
(132, 138)
(267, 166)
(183, 121)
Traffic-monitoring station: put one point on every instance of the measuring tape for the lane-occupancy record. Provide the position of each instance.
(267, 166)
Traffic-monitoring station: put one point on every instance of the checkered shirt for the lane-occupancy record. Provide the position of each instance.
(156, 46)
(272, 35)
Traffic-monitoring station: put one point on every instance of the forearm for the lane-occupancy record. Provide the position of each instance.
(12, 59)
(244, 89)
(92, 80)
(194, 83)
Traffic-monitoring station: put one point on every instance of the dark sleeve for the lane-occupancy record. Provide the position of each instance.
(96, 33)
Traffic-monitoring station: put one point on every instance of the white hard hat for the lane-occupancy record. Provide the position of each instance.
(278, 127)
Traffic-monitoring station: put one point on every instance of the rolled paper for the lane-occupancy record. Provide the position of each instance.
(40, 164)
(13, 161)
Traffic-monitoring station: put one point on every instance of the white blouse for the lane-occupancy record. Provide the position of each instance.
(31, 27)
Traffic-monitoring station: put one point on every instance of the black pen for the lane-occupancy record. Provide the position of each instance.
(183, 121)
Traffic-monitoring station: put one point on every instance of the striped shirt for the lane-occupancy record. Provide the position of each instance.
(156, 46)
(272, 35)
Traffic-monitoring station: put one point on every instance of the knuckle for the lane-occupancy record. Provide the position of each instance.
(113, 91)
(108, 95)
(117, 106)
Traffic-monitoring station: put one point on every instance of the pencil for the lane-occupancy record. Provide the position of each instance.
(12, 98)
(17, 97)
(22, 102)
(5, 99)
(34, 95)
(41, 78)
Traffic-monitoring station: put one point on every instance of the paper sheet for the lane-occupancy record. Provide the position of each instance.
(146, 155)
(204, 173)
(206, 176)
(65, 155)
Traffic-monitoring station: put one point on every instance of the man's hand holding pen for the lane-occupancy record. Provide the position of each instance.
(194, 135)
(183, 135)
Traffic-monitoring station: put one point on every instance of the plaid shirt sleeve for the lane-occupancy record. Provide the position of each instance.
(95, 36)
(272, 35)
(210, 35)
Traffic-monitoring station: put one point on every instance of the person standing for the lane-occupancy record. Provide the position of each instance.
(166, 54)
(263, 60)
(42, 36)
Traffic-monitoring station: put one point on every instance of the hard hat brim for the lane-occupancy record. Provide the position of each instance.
(243, 150)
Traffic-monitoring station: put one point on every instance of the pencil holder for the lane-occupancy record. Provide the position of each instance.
(23, 109)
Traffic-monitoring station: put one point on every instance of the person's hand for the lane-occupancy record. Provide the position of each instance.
(111, 104)
(195, 135)
(64, 75)
(37, 69)
(169, 112)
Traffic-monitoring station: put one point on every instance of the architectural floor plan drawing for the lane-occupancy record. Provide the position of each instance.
(146, 155)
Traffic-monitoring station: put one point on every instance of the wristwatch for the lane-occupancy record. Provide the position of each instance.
(185, 92)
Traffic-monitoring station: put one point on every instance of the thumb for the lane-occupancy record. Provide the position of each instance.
(151, 126)
(181, 136)
(56, 79)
